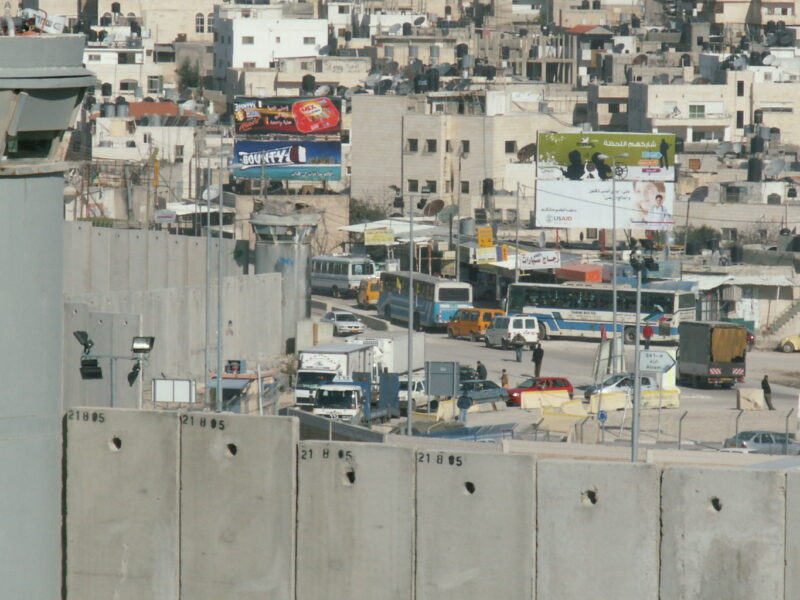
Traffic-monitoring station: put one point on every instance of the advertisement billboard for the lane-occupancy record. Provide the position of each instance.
(293, 116)
(581, 204)
(577, 156)
(546, 259)
(295, 160)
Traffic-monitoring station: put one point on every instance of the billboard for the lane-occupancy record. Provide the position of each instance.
(296, 160)
(546, 259)
(576, 156)
(582, 204)
(293, 116)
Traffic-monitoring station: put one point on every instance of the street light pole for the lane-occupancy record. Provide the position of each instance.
(461, 156)
(637, 385)
(516, 241)
(218, 399)
(410, 384)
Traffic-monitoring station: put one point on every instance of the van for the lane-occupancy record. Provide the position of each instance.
(368, 293)
(504, 330)
(472, 322)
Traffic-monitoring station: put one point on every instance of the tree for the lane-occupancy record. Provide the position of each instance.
(701, 235)
(361, 212)
(188, 74)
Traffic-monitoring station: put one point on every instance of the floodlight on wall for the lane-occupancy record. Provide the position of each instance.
(90, 369)
(84, 340)
(142, 344)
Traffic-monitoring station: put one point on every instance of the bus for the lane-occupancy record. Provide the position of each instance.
(436, 300)
(340, 274)
(585, 310)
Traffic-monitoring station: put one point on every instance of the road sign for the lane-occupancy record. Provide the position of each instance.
(655, 361)
(602, 416)
(485, 237)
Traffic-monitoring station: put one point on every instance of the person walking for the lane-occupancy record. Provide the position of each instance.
(519, 344)
(480, 370)
(463, 403)
(504, 379)
(538, 355)
(767, 392)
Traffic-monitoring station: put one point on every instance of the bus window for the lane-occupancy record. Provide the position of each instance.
(448, 294)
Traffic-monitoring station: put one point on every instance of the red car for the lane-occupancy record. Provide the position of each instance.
(538, 384)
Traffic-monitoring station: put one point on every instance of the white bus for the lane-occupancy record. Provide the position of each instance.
(340, 274)
(585, 310)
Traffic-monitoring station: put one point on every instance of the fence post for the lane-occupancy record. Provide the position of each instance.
(741, 412)
(786, 432)
(680, 428)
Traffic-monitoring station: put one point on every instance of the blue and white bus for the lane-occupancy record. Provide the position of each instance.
(436, 300)
(340, 274)
(586, 310)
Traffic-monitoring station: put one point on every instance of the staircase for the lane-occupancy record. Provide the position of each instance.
(784, 318)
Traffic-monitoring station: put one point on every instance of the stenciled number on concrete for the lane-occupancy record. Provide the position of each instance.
(203, 422)
(85, 415)
(308, 454)
(439, 459)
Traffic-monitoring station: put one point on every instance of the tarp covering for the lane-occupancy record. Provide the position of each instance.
(728, 344)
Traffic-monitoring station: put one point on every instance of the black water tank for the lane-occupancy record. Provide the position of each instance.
(758, 117)
(636, 22)
(406, 29)
(488, 187)
(754, 169)
(432, 77)
(693, 248)
(757, 144)
(309, 83)
(712, 244)
(737, 255)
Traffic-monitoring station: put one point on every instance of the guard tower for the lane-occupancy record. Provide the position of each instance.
(283, 246)
(42, 83)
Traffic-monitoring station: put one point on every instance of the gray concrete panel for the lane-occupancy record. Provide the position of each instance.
(723, 533)
(76, 318)
(355, 515)
(176, 260)
(137, 261)
(423, 443)
(157, 272)
(196, 261)
(598, 530)
(121, 504)
(475, 533)
(100, 260)
(77, 257)
(119, 251)
(124, 327)
(792, 573)
(237, 506)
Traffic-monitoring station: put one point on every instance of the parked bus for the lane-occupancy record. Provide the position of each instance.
(586, 310)
(340, 274)
(436, 300)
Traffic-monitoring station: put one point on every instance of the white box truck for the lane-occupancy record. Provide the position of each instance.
(325, 363)
(391, 350)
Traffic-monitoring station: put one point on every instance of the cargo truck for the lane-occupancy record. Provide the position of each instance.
(347, 402)
(391, 351)
(711, 353)
(327, 363)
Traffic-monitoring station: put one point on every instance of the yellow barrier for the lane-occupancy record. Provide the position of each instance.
(750, 399)
(543, 399)
(650, 399)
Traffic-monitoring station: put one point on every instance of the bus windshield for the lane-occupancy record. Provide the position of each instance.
(448, 294)
(336, 398)
(365, 268)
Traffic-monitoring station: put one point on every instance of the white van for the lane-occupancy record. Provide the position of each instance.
(504, 330)
(418, 394)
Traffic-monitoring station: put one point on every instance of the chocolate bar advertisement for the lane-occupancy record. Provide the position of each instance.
(299, 116)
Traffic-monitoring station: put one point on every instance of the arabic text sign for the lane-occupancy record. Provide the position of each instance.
(486, 255)
(655, 361)
(576, 156)
(378, 237)
(549, 259)
(304, 116)
(297, 160)
(579, 204)
(485, 237)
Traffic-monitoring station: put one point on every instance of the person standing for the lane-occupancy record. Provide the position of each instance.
(519, 344)
(504, 379)
(463, 403)
(767, 392)
(480, 370)
(538, 355)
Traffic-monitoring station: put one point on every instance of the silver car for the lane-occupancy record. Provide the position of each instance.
(344, 323)
(762, 442)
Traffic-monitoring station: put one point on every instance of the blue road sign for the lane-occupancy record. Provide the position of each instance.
(602, 416)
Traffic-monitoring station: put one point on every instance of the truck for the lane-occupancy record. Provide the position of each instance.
(327, 363)
(346, 402)
(711, 353)
(391, 351)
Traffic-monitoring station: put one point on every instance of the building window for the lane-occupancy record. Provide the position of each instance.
(739, 119)
(591, 234)
(413, 185)
(278, 40)
(105, 89)
(465, 146)
(413, 52)
(178, 154)
(248, 65)
(431, 185)
(511, 146)
(697, 111)
(309, 41)
(344, 10)
(465, 187)
(210, 22)
(729, 234)
(388, 51)
(248, 40)
(413, 145)
(199, 23)
(448, 146)
(154, 84)
(127, 85)
(740, 88)
(345, 136)
(430, 145)
(695, 164)
(210, 49)
(613, 108)
(94, 57)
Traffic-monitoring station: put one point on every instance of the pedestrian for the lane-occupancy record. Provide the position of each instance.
(504, 379)
(519, 344)
(480, 370)
(463, 403)
(538, 355)
(767, 392)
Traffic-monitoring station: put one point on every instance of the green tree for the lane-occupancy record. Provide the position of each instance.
(701, 234)
(188, 74)
(361, 212)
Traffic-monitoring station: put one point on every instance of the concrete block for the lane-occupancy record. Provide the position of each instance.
(534, 400)
(476, 522)
(662, 398)
(137, 262)
(574, 408)
(100, 260)
(792, 535)
(157, 260)
(542, 450)
(119, 256)
(588, 520)
(613, 401)
(750, 399)
(723, 533)
(122, 504)
(355, 516)
(442, 444)
(237, 506)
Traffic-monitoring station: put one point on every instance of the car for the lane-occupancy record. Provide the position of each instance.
(472, 322)
(483, 390)
(465, 373)
(539, 384)
(790, 343)
(368, 292)
(344, 322)
(763, 442)
(505, 330)
(621, 382)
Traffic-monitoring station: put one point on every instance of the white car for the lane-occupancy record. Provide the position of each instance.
(621, 382)
(504, 330)
(418, 395)
(344, 323)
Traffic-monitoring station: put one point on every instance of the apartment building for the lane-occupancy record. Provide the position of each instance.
(167, 22)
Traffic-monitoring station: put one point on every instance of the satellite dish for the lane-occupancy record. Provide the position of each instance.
(618, 48)
(372, 80)
(699, 194)
(323, 90)
(738, 147)
(447, 213)
(211, 192)
(443, 69)
(769, 60)
(739, 63)
(700, 81)
(395, 29)
(404, 88)
(392, 67)
(419, 21)
(433, 208)
(337, 187)
(774, 167)
(348, 94)
(526, 152)
(723, 148)
(640, 60)
(324, 51)
(677, 81)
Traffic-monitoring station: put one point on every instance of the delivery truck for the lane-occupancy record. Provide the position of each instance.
(327, 363)
(391, 351)
(711, 353)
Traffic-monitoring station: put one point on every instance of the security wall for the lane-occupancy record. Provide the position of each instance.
(202, 505)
